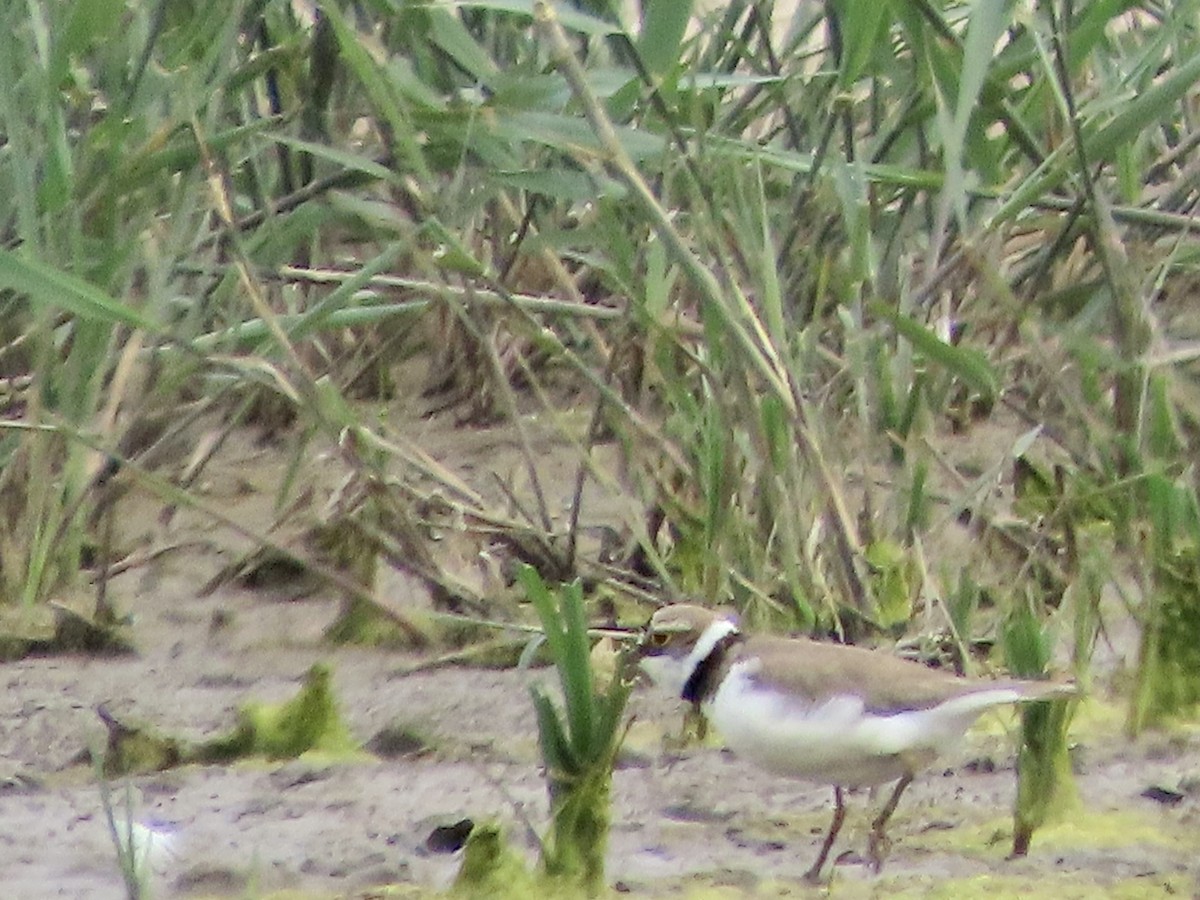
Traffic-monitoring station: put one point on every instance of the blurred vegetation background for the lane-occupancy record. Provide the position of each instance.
(886, 309)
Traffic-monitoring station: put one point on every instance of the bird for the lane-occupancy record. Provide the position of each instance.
(826, 713)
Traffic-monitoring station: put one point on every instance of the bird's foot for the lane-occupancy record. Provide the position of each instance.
(878, 847)
(813, 876)
(879, 844)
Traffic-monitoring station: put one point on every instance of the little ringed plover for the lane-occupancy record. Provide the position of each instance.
(828, 713)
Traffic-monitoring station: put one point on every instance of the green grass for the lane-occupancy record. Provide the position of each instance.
(886, 307)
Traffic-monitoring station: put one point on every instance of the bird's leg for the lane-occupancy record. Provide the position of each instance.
(813, 875)
(878, 843)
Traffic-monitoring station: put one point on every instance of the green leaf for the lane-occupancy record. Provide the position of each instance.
(1027, 644)
(1101, 143)
(966, 363)
(576, 672)
(48, 286)
(381, 87)
(449, 33)
(570, 132)
(1149, 107)
(570, 18)
(149, 164)
(563, 184)
(988, 20)
(87, 24)
(1162, 432)
(864, 35)
(352, 162)
(557, 753)
(341, 296)
(611, 708)
(664, 23)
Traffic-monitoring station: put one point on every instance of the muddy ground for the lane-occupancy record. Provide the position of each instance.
(696, 823)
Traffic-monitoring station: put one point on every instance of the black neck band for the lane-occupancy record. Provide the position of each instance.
(702, 682)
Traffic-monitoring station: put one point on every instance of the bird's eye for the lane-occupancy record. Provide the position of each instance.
(659, 638)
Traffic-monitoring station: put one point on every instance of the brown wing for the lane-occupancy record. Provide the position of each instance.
(885, 683)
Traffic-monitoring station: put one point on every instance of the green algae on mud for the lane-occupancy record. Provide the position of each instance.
(1048, 886)
(493, 869)
(1084, 830)
(1051, 886)
(309, 722)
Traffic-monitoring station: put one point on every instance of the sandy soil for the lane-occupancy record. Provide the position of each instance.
(693, 824)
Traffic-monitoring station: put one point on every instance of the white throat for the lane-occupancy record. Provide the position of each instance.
(671, 673)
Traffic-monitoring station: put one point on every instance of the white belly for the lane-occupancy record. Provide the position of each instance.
(836, 741)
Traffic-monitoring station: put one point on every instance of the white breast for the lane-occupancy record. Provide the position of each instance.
(836, 740)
